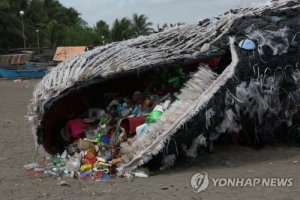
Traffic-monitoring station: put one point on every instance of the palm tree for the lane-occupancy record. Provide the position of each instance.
(55, 33)
(10, 31)
(121, 30)
(140, 26)
(11, 35)
(4, 4)
(102, 30)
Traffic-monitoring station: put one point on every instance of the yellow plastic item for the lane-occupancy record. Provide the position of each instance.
(86, 167)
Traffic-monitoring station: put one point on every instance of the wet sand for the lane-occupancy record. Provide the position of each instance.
(17, 148)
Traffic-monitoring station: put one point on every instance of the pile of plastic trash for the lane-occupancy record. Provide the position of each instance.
(92, 141)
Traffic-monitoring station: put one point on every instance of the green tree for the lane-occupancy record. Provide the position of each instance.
(55, 34)
(121, 30)
(10, 31)
(4, 5)
(103, 32)
(59, 25)
(80, 35)
(140, 26)
(47, 16)
(11, 35)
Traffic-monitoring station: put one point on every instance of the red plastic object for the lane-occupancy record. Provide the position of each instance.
(130, 123)
(89, 159)
(98, 174)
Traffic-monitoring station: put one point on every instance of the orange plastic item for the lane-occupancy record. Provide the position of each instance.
(89, 158)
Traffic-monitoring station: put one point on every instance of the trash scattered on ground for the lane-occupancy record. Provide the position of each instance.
(8, 121)
(18, 80)
(164, 188)
(63, 183)
(31, 166)
(129, 177)
(92, 141)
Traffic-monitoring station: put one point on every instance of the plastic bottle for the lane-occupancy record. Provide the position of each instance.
(57, 161)
(155, 114)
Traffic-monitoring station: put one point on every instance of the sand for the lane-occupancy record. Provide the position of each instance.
(17, 148)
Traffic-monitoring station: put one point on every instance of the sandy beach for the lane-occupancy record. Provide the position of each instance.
(17, 149)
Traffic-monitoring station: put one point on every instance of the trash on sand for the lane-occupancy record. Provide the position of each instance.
(63, 183)
(17, 80)
(31, 166)
(141, 175)
(129, 177)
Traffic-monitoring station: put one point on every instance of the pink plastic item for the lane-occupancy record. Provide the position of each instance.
(75, 127)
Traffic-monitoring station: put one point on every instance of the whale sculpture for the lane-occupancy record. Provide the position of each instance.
(254, 92)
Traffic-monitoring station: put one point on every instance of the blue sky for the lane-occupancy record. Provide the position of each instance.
(158, 11)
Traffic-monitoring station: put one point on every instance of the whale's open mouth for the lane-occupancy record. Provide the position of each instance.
(202, 80)
(223, 82)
